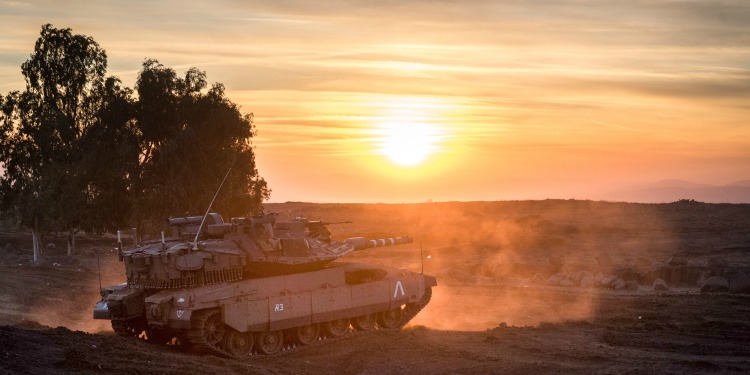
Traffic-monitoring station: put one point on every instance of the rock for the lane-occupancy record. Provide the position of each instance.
(607, 281)
(618, 284)
(556, 279)
(660, 285)
(631, 285)
(715, 284)
(678, 260)
(739, 283)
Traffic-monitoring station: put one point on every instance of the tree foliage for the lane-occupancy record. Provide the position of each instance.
(190, 138)
(81, 151)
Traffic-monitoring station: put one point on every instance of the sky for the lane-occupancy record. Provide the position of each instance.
(412, 101)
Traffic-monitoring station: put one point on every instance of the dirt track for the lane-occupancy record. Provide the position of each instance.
(481, 320)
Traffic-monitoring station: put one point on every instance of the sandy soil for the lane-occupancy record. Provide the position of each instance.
(496, 310)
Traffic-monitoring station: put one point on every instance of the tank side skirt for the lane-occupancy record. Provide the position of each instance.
(322, 305)
(336, 303)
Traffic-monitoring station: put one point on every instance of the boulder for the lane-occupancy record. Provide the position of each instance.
(678, 260)
(660, 285)
(715, 284)
(556, 279)
(618, 284)
(607, 281)
(739, 283)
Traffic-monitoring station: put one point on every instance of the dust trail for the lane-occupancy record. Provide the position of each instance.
(486, 254)
(476, 308)
(70, 294)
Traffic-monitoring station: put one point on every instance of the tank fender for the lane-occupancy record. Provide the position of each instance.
(124, 294)
(101, 309)
(125, 303)
(158, 307)
(179, 318)
(172, 307)
(428, 281)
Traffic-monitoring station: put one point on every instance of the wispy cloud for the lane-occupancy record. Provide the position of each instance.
(575, 86)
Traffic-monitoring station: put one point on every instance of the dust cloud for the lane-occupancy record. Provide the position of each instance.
(71, 293)
(494, 260)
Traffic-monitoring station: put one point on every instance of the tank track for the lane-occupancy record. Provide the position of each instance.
(201, 342)
(132, 327)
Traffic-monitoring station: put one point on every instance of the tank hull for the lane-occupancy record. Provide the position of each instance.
(340, 292)
(283, 302)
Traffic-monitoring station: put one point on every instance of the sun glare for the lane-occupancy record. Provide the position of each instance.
(408, 143)
(406, 135)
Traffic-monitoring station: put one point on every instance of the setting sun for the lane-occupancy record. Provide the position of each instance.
(497, 100)
(408, 133)
(407, 143)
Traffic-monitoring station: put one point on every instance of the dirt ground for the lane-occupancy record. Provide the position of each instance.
(509, 298)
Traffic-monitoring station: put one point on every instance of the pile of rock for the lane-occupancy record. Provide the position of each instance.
(738, 283)
(585, 279)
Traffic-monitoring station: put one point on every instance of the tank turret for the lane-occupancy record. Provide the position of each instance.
(244, 247)
(239, 268)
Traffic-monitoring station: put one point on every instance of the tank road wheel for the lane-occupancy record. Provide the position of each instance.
(364, 322)
(336, 328)
(306, 335)
(238, 344)
(390, 319)
(209, 326)
(269, 342)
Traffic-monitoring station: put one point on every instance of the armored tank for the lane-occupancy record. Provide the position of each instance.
(256, 285)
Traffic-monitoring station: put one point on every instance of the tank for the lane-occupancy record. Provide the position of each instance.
(255, 285)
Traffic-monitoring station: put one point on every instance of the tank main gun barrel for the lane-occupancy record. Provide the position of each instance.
(361, 243)
(335, 222)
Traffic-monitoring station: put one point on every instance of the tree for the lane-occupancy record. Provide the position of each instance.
(189, 140)
(109, 164)
(42, 127)
(80, 152)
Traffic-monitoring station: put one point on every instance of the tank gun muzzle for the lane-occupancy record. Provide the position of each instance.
(361, 243)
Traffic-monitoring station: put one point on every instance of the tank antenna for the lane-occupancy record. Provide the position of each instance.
(99, 267)
(421, 256)
(195, 242)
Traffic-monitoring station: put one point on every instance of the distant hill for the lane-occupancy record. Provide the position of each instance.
(674, 190)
